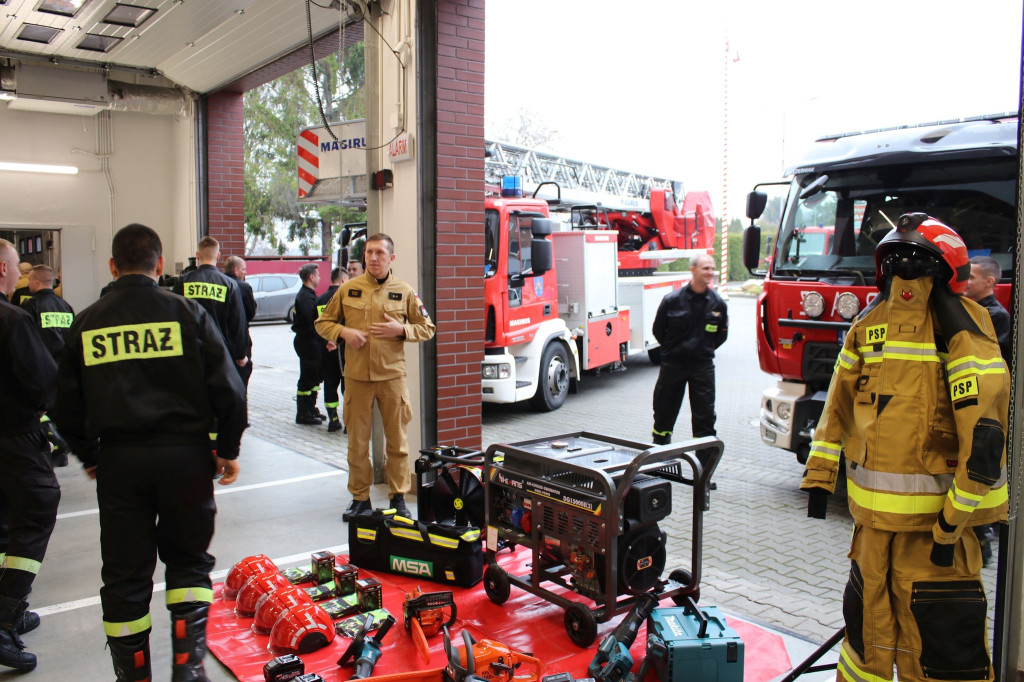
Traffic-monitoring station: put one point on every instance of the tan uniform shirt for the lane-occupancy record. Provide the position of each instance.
(361, 302)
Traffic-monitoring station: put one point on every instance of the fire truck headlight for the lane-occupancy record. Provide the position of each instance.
(784, 411)
(814, 304)
(847, 305)
(499, 371)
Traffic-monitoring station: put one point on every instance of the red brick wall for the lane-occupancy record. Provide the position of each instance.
(460, 219)
(226, 172)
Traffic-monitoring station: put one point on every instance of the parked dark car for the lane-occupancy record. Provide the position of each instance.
(275, 295)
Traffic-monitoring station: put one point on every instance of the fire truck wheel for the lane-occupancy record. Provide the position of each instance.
(553, 382)
(580, 624)
(684, 578)
(802, 453)
(496, 584)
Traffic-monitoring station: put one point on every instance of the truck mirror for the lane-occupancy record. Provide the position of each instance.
(542, 227)
(751, 246)
(756, 201)
(344, 237)
(541, 255)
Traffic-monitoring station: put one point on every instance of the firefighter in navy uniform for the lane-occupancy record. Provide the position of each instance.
(691, 323)
(53, 315)
(918, 402)
(221, 297)
(29, 492)
(144, 377)
(307, 346)
(332, 358)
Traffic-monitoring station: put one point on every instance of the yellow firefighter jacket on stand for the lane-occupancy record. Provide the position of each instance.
(919, 402)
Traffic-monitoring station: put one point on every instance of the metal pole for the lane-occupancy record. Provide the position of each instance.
(723, 275)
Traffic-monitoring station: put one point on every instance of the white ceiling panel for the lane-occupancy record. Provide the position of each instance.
(200, 44)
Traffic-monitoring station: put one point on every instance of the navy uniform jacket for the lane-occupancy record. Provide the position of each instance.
(305, 315)
(145, 366)
(690, 326)
(220, 295)
(249, 306)
(1001, 322)
(28, 374)
(53, 315)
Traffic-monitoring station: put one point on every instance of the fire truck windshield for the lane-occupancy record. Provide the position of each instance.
(833, 233)
(492, 222)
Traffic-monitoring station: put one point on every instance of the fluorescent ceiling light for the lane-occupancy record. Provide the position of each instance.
(37, 168)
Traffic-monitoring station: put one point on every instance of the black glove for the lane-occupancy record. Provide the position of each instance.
(817, 503)
(942, 555)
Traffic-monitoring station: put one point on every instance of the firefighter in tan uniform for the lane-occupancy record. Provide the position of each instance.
(919, 403)
(375, 314)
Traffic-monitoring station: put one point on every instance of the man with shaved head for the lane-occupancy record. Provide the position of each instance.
(690, 324)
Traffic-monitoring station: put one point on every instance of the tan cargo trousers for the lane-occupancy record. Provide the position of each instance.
(902, 609)
(392, 398)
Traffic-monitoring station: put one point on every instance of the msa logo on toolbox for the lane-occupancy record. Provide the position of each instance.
(412, 566)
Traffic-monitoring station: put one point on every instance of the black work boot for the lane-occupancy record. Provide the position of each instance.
(357, 508)
(333, 423)
(397, 502)
(188, 642)
(302, 411)
(314, 410)
(28, 622)
(131, 657)
(661, 439)
(12, 649)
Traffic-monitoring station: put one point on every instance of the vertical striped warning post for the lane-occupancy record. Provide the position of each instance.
(309, 161)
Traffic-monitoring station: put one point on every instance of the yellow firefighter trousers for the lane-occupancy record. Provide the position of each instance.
(392, 398)
(900, 608)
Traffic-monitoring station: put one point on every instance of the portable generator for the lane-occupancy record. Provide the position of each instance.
(588, 508)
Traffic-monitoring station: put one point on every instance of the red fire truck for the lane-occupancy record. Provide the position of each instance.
(574, 294)
(556, 304)
(841, 200)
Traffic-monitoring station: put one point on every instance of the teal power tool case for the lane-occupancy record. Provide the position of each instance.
(699, 646)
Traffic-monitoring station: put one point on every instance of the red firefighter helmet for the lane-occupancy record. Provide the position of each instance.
(254, 588)
(270, 606)
(301, 630)
(245, 569)
(922, 246)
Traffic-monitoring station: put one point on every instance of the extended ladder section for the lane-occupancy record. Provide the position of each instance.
(581, 183)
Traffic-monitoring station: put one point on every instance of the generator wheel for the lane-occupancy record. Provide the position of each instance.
(580, 624)
(683, 577)
(496, 584)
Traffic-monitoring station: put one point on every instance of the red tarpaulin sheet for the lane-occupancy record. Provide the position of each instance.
(525, 623)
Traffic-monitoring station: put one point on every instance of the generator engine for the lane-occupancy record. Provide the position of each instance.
(571, 538)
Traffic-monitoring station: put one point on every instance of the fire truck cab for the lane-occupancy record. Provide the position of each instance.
(841, 200)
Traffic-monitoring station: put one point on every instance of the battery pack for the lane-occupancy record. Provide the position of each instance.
(699, 647)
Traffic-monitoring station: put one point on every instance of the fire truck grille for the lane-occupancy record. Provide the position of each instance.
(819, 362)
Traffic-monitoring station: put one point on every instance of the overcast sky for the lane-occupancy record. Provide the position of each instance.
(639, 85)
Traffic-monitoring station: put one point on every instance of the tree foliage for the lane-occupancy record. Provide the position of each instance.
(526, 128)
(274, 114)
